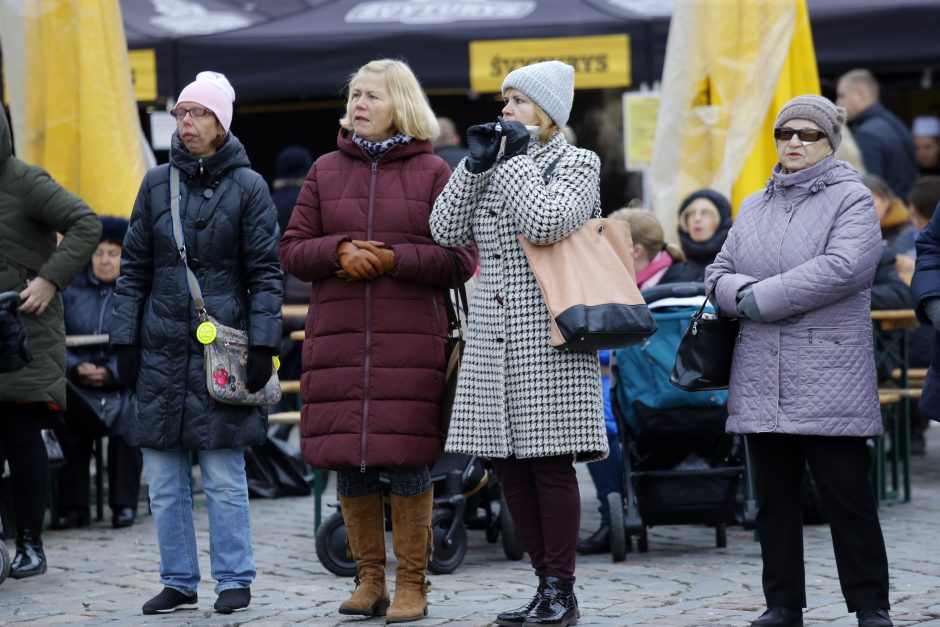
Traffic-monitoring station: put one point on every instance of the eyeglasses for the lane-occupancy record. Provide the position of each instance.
(195, 112)
(806, 135)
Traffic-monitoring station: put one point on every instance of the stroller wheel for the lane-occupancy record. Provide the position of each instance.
(331, 547)
(512, 544)
(447, 557)
(721, 535)
(618, 529)
(4, 562)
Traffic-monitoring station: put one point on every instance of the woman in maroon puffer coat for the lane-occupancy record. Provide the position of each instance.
(373, 359)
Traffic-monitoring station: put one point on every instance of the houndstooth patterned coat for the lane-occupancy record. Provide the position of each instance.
(516, 394)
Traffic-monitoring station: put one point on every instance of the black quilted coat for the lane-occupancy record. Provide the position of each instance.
(231, 236)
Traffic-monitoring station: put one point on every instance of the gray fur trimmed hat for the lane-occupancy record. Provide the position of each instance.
(550, 84)
(819, 110)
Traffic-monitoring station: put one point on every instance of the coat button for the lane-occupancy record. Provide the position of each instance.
(193, 263)
(497, 256)
(207, 193)
(789, 207)
(773, 351)
(499, 299)
(200, 223)
(492, 212)
(500, 340)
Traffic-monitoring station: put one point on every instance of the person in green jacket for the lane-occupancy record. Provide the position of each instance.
(33, 208)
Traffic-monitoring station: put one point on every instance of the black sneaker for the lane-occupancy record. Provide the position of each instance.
(233, 600)
(170, 600)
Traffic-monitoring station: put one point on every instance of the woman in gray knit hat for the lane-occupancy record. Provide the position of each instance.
(531, 409)
(796, 270)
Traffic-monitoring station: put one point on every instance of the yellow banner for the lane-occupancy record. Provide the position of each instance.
(600, 61)
(144, 73)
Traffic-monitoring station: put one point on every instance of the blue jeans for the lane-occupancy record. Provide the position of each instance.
(226, 488)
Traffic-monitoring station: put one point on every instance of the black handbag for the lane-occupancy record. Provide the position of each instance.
(453, 351)
(14, 341)
(703, 360)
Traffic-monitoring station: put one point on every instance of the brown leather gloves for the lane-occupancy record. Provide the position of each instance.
(364, 260)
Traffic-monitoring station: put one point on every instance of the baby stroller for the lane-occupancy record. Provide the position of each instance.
(680, 467)
(466, 496)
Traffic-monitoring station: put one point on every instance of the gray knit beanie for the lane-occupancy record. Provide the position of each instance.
(818, 109)
(549, 84)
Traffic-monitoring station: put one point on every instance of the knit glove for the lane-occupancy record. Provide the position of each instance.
(128, 364)
(932, 309)
(259, 367)
(483, 142)
(517, 137)
(747, 304)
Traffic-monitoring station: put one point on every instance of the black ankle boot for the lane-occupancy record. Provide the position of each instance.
(30, 559)
(598, 542)
(557, 607)
(780, 617)
(516, 617)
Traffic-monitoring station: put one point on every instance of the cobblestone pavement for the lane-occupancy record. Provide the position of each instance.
(98, 575)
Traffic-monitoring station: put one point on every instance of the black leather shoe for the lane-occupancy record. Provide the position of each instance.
(30, 560)
(598, 542)
(170, 600)
(874, 617)
(517, 616)
(233, 600)
(780, 617)
(71, 519)
(557, 607)
(123, 517)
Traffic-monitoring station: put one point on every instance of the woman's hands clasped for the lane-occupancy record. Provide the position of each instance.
(364, 260)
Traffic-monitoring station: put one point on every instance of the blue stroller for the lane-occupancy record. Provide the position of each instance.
(680, 467)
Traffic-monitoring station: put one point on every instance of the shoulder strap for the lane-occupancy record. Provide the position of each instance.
(547, 174)
(194, 289)
(460, 294)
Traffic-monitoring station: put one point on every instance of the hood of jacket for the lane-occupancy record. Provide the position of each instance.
(6, 139)
(345, 143)
(829, 171)
(230, 156)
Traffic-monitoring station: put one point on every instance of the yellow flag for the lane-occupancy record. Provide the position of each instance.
(730, 66)
(72, 103)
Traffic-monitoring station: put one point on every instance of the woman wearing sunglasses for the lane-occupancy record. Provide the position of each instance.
(796, 270)
(229, 229)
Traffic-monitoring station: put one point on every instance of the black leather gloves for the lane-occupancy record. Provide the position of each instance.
(483, 142)
(259, 367)
(932, 309)
(517, 137)
(128, 364)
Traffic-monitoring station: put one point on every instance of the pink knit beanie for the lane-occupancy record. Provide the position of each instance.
(213, 91)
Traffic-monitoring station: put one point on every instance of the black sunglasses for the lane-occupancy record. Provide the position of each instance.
(806, 135)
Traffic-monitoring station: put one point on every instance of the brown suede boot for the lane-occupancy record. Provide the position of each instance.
(365, 534)
(412, 542)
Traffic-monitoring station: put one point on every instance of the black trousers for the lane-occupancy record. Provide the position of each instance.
(840, 466)
(124, 465)
(21, 444)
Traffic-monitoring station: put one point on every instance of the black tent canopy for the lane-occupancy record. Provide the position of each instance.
(305, 49)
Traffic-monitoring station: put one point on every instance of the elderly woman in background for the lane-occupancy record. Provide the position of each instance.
(797, 270)
(230, 231)
(33, 208)
(531, 409)
(704, 222)
(373, 359)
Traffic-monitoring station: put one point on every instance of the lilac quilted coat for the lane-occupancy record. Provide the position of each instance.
(811, 243)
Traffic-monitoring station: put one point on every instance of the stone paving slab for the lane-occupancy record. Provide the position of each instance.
(99, 576)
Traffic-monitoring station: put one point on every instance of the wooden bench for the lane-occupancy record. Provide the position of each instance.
(284, 418)
(914, 375)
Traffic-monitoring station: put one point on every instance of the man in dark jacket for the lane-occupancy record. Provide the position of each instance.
(886, 144)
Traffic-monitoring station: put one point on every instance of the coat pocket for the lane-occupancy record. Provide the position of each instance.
(832, 381)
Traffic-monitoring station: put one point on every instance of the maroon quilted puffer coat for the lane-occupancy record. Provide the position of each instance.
(373, 358)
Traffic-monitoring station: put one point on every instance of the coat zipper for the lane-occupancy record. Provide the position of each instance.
(368, 312)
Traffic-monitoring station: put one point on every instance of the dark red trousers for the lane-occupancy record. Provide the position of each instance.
(545, 504)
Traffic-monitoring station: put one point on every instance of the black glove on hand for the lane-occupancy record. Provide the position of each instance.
(517, 137)
(259, 367)
(483, 142)
(932, 309)
(747, 304)
(128, 365)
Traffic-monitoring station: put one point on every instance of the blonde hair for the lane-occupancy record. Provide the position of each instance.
(547, 126)
(411, 113)
(647, 231)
